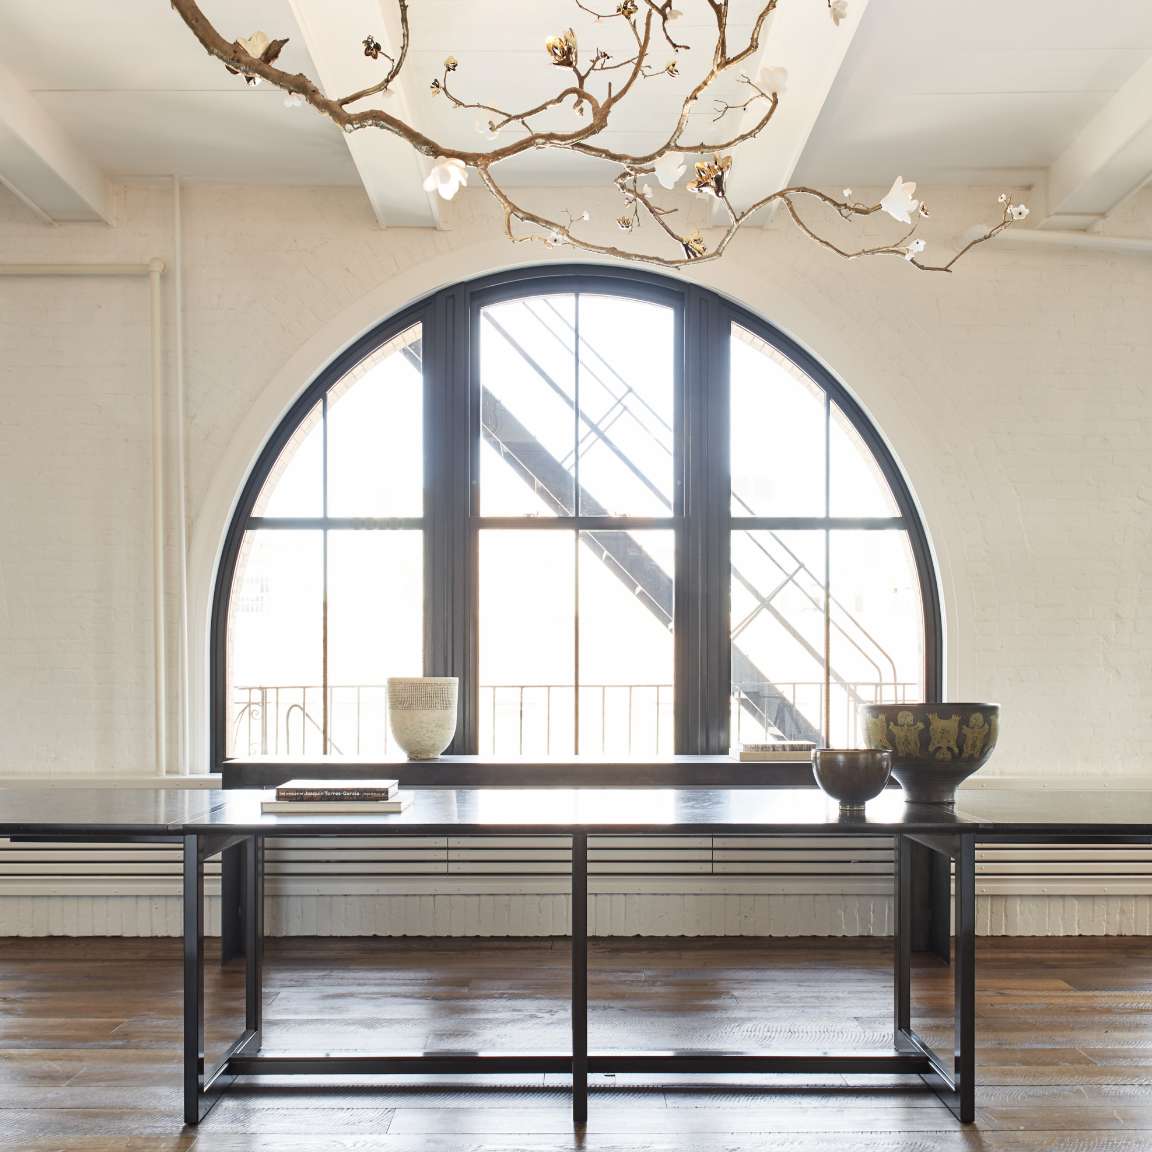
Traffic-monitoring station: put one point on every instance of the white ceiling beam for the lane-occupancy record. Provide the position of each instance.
(802, 39)
(42, 165)
(1109, 160)
(391, 172)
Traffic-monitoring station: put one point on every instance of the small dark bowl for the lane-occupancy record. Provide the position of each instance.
(934, 746)
(852, 775)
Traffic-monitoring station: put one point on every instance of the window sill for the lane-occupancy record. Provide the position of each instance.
(519, 772)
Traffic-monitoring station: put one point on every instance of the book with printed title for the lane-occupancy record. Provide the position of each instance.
(300, 791)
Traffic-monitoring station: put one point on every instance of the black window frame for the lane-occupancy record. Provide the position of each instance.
(702, 517)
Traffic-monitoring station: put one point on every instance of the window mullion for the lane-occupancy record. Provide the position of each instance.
(325, 692)
(703, 664)
(577, 506)
(449, 543)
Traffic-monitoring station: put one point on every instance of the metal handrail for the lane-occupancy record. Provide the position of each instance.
(526, 700)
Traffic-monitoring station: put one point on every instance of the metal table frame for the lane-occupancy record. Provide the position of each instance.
(101, 815)
(951, 1077)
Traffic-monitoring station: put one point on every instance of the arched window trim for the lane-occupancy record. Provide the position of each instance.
(450, 324)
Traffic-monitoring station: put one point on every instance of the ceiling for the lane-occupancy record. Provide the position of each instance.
(979, 92)
(976, 92)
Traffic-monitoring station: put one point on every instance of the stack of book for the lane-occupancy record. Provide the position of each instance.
(778, 752)
(331, 796)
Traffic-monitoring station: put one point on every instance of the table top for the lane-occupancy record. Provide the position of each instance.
(103, 812)
(132, 812)
(702, 811)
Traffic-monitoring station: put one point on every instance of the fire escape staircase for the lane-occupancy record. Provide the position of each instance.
(552, 481)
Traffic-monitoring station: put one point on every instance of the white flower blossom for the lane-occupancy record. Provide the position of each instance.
(487, 129)
(447, 177)
(774, 80)
(1002, 198)
(256, 44)
(847, 193)
(293, 100)
(1018, 211)
(838, 10)
(669, 168)
(647, 189)
(585, 215)
(899, 203)
(914, 249)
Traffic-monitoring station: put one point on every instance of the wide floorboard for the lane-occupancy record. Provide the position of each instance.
(90, 1034)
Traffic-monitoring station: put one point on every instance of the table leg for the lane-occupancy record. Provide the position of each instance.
(952, 1074)
(254, 936)
(193, 977)
(902, 932)
(931, 895)
(232, 903)
(965, 976)
(940, 907)
(580, 977)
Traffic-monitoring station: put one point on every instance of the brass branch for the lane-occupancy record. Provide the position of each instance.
(651, 23)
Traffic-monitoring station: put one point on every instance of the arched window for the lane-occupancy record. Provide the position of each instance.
(630, 516)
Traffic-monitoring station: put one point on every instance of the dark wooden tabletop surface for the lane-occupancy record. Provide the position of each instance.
(774, 811)
(103, 811)
(448, 811)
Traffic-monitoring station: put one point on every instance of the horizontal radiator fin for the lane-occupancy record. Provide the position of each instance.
(816, 863)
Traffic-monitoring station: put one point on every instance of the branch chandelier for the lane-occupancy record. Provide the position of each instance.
(594, 86)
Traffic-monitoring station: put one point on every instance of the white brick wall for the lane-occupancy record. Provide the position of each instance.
(1016, 392)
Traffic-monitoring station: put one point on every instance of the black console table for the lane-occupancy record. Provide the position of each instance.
(577, 813)
(210, 823)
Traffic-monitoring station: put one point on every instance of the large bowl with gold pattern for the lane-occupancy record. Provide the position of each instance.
(934, 746)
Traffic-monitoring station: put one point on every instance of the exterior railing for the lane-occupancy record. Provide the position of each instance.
(528, 719)
(752, 725)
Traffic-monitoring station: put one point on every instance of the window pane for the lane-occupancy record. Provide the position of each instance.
(627, 390)
(777, 441)
(858, 485)
(375, 630)
(626, 649)
(275, 645)
(527, 642)
(375, 434)
(777, 635)
(295, 486)
(877, 626)
(527, 407)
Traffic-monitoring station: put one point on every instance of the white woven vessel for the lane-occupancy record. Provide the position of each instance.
(422, 712)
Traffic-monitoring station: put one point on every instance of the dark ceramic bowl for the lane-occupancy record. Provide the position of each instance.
(934, 746)
(851, 775)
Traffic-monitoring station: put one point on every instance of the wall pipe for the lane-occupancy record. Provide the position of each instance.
(159, 583)
(179, 470)
(77, 269)
(154, 271)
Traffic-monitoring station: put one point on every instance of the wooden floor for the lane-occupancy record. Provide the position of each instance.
(90, 1033)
